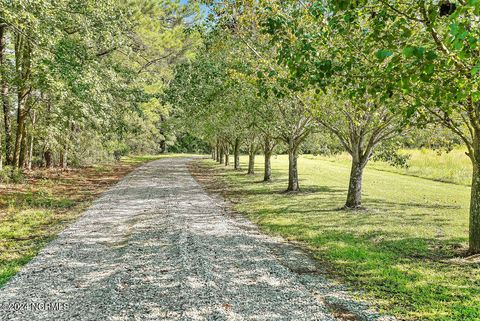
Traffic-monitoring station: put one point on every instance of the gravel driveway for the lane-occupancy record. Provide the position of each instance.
(158, 247)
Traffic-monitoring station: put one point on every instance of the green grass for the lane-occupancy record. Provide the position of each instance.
(402, 252)
(453, 167)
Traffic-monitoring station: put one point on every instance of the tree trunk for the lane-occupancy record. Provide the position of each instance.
(30, 153)
(354, 197)
(163, 146)
(222, 154)
(5, 100)
(251, 161)
(1, 153)
(7, 123)
(227, 156)
(293, 185)
(474, 229)
(19, 137)
(48, 158)
(23, 149)
(30, 149)
(22, 69)
(267, 176)
(213, 153)
(63, 158)
(268, 147)
(236, 154)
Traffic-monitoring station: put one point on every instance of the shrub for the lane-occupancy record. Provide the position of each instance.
(10, 175)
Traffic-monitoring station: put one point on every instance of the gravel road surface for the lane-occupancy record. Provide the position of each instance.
(157, 247)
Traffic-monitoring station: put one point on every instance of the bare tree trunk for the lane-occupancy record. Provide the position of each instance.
(354, 196)
(163, 141)
(19, 137)
(252, 151)
(30, 152)
(268, 147)
(227, 156)
(222, 154)
(1, 153)
(474, 228)
(217, 152)
(22, 67)
(23, 149)
(5, 99)
(63, 158)
(48, 158)
(8, 124)
(236, 154)
(293, 185)
(251, 164)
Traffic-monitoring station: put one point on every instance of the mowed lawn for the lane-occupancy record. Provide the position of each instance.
(404, 252)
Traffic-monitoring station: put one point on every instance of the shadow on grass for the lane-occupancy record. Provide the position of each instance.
(394, 251)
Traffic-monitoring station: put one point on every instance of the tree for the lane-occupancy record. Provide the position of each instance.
(434, 51)
(90, 71)
(338, 59)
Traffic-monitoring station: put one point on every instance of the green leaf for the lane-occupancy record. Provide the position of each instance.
(383, 54)
(475, 70)
(408, 52)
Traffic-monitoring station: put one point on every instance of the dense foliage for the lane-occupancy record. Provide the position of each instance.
(81, 81)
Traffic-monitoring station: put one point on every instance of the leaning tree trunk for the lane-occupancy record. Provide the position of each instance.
(293, 185)
(236, 154)
(252, 151)
(474, 229)
(354, 196)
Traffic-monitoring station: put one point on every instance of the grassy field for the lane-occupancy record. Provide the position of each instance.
(453, 167)
(404, 252)
(35, 211)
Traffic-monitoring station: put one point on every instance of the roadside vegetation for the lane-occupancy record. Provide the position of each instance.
(403, 251)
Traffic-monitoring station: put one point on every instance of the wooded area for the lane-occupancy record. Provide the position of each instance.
(81, 80)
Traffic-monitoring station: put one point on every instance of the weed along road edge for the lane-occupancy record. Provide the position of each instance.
(157, 247)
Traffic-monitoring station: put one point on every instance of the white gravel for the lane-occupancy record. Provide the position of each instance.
(157, 247)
